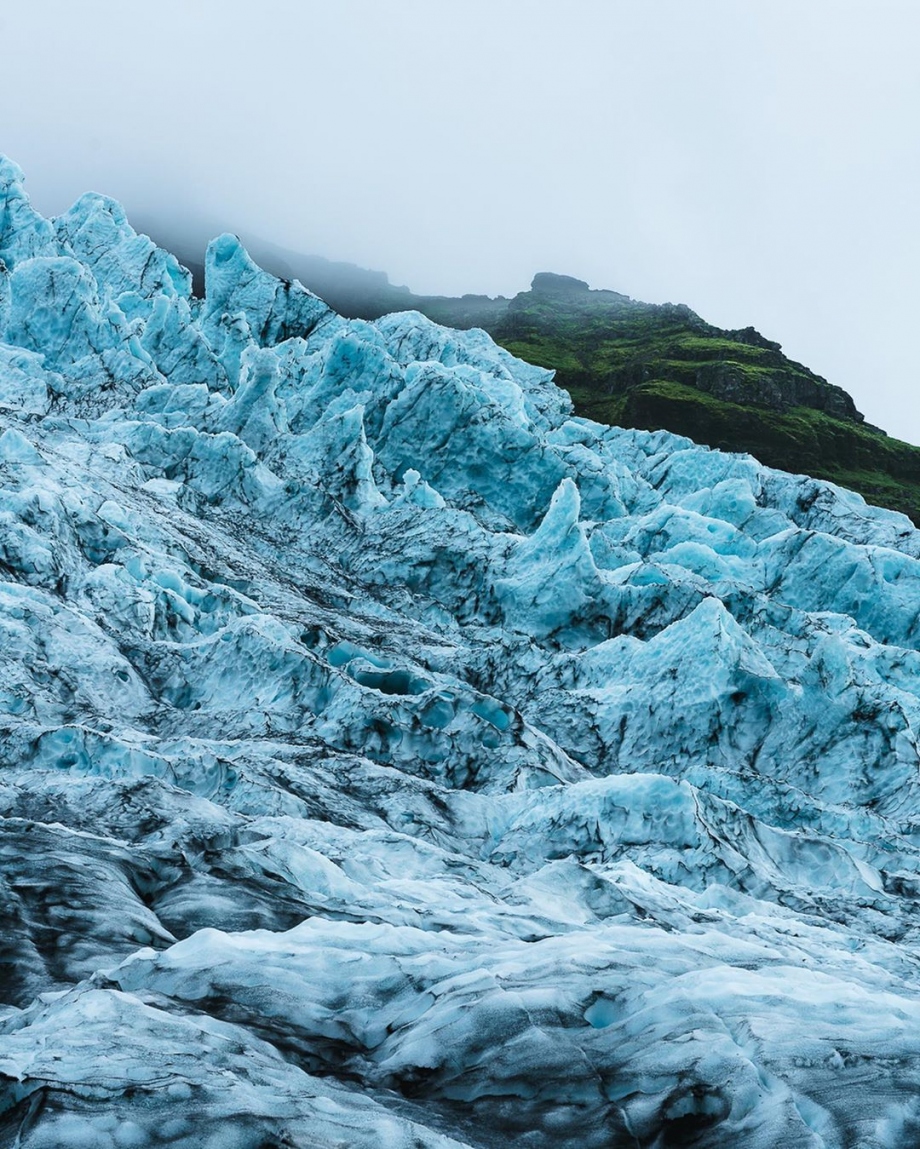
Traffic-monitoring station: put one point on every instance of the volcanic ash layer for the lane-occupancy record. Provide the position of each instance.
(390, 759)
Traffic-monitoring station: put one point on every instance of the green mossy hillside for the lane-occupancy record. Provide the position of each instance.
(608, 343)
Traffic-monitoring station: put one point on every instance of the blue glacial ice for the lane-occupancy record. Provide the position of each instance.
(389, 758)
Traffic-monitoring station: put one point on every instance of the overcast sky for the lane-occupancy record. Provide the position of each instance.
(758, 160)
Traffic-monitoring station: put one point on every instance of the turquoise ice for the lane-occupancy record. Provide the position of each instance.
(390, 758)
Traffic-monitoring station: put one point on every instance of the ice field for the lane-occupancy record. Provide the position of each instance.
(390, 759)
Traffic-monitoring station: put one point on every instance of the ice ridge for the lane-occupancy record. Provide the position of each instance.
(388, 758)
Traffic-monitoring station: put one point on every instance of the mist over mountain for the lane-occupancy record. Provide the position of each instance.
(753, 161)
(393, 757)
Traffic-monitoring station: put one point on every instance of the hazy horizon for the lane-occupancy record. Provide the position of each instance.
(759, 164)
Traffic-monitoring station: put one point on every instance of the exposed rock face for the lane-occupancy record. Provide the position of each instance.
(390, 758)
(552, 284)
(775, 390)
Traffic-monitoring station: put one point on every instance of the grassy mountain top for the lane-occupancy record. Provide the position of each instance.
(612, 343)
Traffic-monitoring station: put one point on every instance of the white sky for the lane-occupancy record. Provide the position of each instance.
(756, 159)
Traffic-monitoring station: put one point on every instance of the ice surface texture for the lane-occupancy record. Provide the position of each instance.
(390, 759)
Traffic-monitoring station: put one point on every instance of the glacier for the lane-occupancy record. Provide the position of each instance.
(390, 759)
